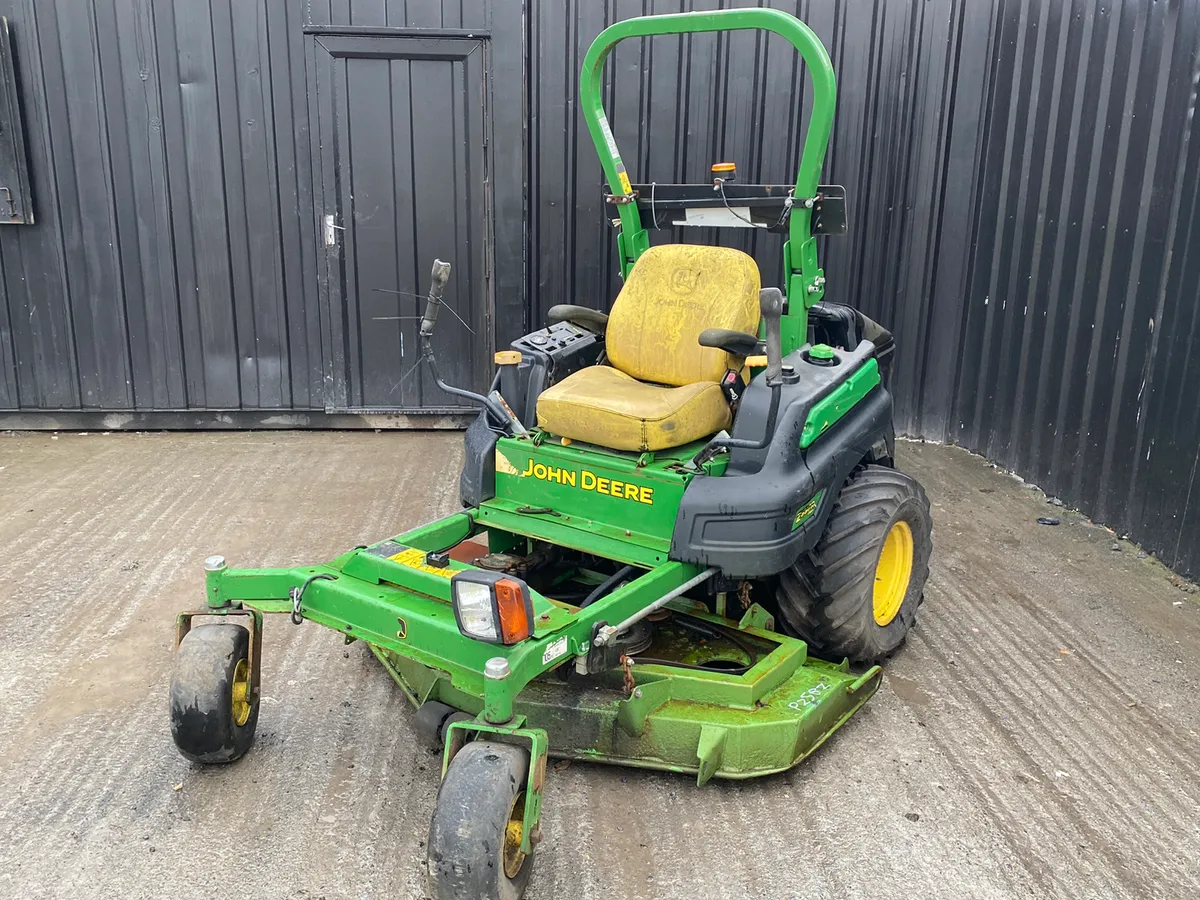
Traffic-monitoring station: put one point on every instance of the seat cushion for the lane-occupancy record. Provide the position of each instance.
(603, 406)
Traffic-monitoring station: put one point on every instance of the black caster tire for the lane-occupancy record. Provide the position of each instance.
(213, 716)
(434, 719)
(455, 716)
(856, 593)
(474, 838)
(429, 719)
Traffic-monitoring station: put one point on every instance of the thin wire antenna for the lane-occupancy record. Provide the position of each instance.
(401, 293)
(380, 290)
(460, 318)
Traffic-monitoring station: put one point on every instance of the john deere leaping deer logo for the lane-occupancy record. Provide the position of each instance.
(683, 280)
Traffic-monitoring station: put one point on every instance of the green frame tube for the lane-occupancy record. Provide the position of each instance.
(805, 280)
(407, 610)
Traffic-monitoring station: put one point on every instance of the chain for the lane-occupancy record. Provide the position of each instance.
(744, 594)
(627, 671)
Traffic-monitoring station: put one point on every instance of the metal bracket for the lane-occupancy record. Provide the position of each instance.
(709, 749)
(757, 617)
(183, 624)
(621, 199)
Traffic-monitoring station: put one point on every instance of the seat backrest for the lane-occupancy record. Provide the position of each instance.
(674, 292)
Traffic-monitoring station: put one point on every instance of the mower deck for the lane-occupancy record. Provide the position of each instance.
(707, 694)
(711, 720)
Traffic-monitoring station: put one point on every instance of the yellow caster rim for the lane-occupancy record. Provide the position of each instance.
(513, 833)
(241, 693)
(892, 572)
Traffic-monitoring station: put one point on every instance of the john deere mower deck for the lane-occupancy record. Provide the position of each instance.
(670, 512)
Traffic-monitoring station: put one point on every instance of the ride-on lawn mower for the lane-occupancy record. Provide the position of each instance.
(674, 514)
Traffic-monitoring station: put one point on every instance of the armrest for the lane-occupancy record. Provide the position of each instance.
(582, 316)
(739, 343)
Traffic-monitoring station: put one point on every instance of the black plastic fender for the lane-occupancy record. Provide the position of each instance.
(477, 482)
(757, 518)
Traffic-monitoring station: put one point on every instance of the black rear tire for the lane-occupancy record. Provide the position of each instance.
(213, 717)
(828, 597)
(484, 787)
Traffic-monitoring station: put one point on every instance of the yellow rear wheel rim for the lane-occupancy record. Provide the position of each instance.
(892, 572)
(241, 693)
(513, 833)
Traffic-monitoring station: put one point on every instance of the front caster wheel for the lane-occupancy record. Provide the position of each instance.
(213, 715)
(474, 845)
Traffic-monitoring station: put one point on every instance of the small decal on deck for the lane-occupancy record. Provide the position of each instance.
(554, 649)
(809, 698)
(415, 559)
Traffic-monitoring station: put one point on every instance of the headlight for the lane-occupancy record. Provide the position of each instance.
(491, 606)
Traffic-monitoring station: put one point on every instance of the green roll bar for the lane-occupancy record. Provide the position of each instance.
(805, 280)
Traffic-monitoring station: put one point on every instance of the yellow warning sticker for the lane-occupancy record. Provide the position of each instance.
(625, 186)
(503, 465)
(415, 559)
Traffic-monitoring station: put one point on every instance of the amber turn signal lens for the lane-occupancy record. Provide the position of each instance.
(514, 613)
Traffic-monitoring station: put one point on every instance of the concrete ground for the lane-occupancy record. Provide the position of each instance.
(1038, 737)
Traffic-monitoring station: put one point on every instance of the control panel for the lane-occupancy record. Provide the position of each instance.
(547, 356)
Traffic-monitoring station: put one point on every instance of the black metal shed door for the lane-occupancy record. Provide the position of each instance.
(403, 152)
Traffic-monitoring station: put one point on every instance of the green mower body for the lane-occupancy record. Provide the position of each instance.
(667, 604)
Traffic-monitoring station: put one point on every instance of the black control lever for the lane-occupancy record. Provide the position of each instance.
(437, 287)
(770, 305)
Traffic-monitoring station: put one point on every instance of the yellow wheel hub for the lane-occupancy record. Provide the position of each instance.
(513, 832)
(892, 572)
(241, 693)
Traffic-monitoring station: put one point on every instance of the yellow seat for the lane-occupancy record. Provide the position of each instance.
(661, 388)
(604, 406)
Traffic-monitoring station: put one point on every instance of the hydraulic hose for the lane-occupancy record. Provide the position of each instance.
(607, 585)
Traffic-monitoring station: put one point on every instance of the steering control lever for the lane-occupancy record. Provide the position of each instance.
(770, 305)
(437, 286)
(433, 303)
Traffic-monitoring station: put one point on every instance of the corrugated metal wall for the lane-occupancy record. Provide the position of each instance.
(1077, 355)
(177, 265)
(173, 265)
(1022, 179)
(1023, 190)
